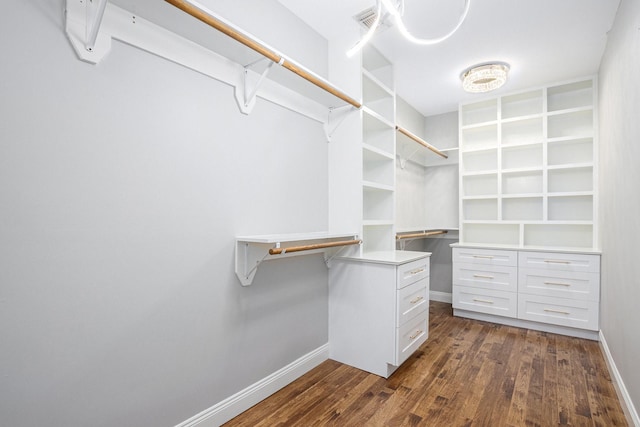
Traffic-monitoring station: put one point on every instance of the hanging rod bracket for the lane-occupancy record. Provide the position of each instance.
(84, 21)
(403, 162)
(246, 97)
(335, 118)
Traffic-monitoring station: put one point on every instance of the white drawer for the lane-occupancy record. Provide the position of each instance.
(486, 276)
(561, 284)
(410, 336)
(560, 261)
(485, 256)
(559, 311)
(487, 301)
(412, 272)
(412, 299)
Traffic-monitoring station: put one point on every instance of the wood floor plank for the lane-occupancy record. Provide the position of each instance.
(468, 373)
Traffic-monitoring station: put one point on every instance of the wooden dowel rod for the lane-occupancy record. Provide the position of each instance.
(421, 141)
(320, 83)
(197, 13)
(424, 234)
(278, 251)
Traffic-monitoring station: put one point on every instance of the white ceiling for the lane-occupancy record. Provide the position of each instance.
(544, 41)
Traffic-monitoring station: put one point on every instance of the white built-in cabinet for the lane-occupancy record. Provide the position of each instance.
(378, 309)
(528, 252)
(547, 290)
(528, 168)
(378, 152)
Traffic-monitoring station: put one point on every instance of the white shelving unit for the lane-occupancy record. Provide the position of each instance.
(528, 168)
(378, 152)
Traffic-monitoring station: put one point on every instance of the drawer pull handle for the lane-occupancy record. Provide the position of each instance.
(481, 276)
(413, 301)
(483, 300)
(557, 261)
(416, 335)
(483, 256)
(416, 271)
(557, 283)
(550, 310)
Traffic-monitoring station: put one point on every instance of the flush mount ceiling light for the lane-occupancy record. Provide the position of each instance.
(395, 9)
(484, 77)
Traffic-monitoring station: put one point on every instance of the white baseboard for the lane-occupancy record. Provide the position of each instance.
(232, 406)
(440, 296)
(621, 389)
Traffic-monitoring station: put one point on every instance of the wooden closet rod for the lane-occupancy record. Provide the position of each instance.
(423, 234)
(278, 251)
(197, 13)
(421, 141)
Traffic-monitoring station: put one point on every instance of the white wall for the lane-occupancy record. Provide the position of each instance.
(122, 187)
(410, 198)
(620, 194)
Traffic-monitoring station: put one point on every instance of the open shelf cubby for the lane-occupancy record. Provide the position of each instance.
(480, 209)
(525, 182)
(523, 156)
(480, 112)
(480, 137)
(570, 208)
(570, 180)
(479, 161)
(570, 151)
(480, 185)
(522, 104)
(525, 131)
(522, 209)
(571, 95)
(570, 124)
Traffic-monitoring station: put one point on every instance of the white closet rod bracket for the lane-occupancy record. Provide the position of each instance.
(83, 25)
(335, 118)
(95, 13)
(248, 100)
(403, 162)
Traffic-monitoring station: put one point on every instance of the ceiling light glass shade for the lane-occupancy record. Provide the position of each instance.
(485, 77)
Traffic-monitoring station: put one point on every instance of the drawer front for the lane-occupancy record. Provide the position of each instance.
(486, 276)
(412, 271)
(559, 311)
(412, 300)
(486, 301)
(560, 284)
(410, 336)
(485, 256)
(560, 261)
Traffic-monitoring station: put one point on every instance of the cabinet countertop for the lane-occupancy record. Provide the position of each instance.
(388, 257)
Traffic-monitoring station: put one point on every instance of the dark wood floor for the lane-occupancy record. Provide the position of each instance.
(468, 373)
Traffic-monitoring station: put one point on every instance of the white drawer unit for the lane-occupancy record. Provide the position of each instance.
(410, 336)
(378, 309)
(486, 277)
(412, 272)
(485, 256)
(499, 303)
(412, 299)
(559, 311)
(547, 290)
(560, 261)
(560, 284)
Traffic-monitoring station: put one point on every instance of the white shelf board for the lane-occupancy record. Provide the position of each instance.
(251, 251)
